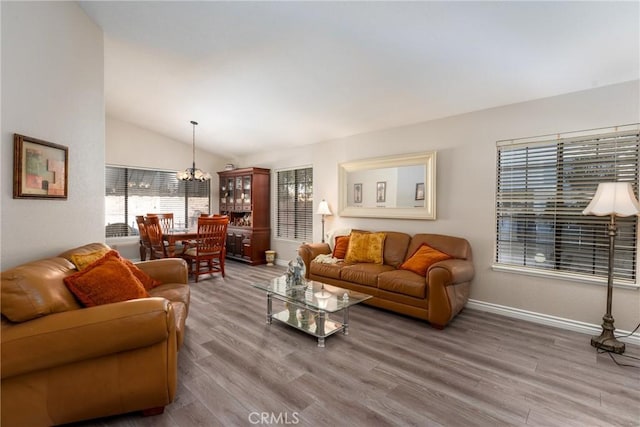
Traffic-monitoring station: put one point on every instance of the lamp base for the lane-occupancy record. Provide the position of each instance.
(608, 342)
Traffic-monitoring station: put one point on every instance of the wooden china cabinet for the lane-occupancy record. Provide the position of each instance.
(244, 196)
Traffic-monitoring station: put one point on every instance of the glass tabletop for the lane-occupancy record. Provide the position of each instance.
(313, 294)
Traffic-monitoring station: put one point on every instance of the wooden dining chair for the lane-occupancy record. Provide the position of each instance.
(208, 253)
(145, 243)
(154, 231)
(166, 221)
(167, 225)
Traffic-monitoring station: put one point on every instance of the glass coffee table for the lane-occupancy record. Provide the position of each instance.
(308, 306)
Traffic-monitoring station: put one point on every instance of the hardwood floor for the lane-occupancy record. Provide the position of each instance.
(391, 370)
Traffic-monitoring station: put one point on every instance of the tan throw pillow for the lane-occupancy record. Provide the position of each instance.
(106, 281)
(365, 247)
(83, 260)
(422, 259)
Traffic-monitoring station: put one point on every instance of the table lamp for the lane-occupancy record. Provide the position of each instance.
(323, 209)
(613, 199)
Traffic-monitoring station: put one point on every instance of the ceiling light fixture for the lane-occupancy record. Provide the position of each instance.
(193, 174)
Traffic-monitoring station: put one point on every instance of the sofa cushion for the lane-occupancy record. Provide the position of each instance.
(341, 246)
(365, 247)
(107, 280)
(363, 273)
(422, 259)
(326, 270)
(403, 282)
(395, 247)
(37, 289)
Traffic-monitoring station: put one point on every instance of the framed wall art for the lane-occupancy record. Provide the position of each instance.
(357, 193)
(420, 191)
(40, 169)
(381, 192)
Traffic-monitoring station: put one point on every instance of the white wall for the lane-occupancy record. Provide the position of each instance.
(466, 190)
(52, 89)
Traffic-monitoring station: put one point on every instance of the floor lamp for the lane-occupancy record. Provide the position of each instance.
(323, 209)
(613, 199)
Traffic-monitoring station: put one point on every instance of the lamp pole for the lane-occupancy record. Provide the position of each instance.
(607, 340)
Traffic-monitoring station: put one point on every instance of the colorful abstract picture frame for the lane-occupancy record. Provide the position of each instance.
(40, 169)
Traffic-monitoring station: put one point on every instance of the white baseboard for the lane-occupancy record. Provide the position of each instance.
(545, 319)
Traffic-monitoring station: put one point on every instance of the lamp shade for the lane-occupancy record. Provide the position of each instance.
(323, 208)
(613, 198)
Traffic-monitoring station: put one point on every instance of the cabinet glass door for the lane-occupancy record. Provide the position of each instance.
(246, 188)
(238, 193)
(230, 193)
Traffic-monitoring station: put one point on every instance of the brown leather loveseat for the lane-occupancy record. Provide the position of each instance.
(62, 362)
(436, 297)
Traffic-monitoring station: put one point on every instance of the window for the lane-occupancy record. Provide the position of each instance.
(295, 204)
(130, 192)
(542, 188)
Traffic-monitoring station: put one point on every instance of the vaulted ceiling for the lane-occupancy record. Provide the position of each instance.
(257, 75)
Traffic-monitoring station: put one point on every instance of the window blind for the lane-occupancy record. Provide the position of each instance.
(130, 192)
(295, 204)
(542, 189)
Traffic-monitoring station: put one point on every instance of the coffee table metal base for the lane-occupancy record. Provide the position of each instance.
(317, 324)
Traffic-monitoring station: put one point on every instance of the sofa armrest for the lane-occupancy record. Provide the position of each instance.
(308, 252)
(459, 270)
(86, 333)
(167, 270)
(448, 289)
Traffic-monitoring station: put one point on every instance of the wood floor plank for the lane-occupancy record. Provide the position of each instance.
(391, 370)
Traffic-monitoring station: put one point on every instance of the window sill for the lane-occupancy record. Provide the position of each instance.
(563, 276)
(121, 240)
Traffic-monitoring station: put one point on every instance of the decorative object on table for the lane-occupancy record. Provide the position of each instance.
(40, 169)
(323, 298)
(270, 256)
(296, 272)
(308, 293)
(193, 174)
(613, 199)
(323, 209)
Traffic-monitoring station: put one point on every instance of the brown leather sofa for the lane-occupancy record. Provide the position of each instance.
(61, 362)
(437, 298)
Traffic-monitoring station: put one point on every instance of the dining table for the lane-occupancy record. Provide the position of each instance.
(175, 235)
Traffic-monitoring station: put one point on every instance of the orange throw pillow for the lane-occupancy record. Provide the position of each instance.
(340, 249)
(422, 259)
(105, 281)
(147, 281)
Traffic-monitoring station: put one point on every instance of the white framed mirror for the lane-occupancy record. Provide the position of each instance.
(402, 186)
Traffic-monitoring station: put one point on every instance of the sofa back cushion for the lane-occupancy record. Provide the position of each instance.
(457, 247)
(395, 247)
(36, 289)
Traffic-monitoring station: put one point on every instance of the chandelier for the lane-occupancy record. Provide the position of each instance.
(193, 174)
